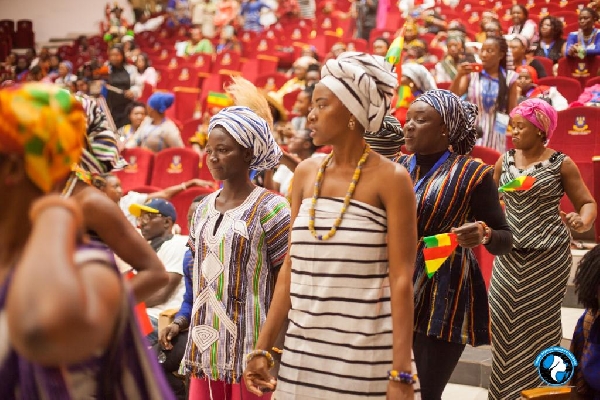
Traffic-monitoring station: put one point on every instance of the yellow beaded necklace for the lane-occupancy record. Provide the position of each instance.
(351, 188)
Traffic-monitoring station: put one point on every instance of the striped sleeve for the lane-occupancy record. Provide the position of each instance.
(275, 221)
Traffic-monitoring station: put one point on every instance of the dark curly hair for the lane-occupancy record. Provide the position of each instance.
(587, 279)
(557, 26)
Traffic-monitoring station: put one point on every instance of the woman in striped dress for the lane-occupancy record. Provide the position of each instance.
(454, 194)
(348, 296)
(528, 284)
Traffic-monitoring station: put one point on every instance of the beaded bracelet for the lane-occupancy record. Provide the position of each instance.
(402, 377)
(264, 353)
(56, 201)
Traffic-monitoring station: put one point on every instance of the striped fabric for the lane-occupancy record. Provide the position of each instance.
(388, 140)
(528, 284)
(339, 340)
(237, 255)
(251, 132)
(128, 370)
(364, 84)
(451, 306)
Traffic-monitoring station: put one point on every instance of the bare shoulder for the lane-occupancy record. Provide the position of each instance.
(389, 171)
(308, 166)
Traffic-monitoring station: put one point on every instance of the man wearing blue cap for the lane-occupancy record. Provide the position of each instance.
(156, 218)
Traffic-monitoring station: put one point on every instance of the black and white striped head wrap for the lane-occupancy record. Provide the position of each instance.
(250, 131)
(458, 116)
(364, 83)
(388, 140)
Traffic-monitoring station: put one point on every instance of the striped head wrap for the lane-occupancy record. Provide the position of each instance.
(100, 154)
(46, 125)
(540, 113)
(388, 140)
(365, 85)
(251, 132)
(458, 116)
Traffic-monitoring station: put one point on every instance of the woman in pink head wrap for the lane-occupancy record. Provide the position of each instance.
(528, 284)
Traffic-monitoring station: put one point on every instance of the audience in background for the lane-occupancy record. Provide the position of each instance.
(522, 25)
(528, 87)
(146, 73)
(123, 85)
(445, 70)
(136, 113)
(519, 46)
(197, 44)
(586, 41)
(551, 44)
(380, 46)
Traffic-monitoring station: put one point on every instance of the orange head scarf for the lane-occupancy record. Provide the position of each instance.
(531, 70)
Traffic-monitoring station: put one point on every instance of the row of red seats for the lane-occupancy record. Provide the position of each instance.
(20, 35)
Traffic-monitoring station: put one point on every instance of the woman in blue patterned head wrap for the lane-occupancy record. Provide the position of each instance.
(452, 191)
(238, 238)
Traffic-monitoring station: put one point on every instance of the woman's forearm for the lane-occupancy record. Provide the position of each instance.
(402, 322)
(588, 214)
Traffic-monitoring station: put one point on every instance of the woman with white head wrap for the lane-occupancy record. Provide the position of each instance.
(452, 191)
(238, 238)
(354, 197)
(415, 81)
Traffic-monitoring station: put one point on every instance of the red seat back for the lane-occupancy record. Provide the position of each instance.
(190, 127)
(570, 88)
(547, 64)
(174, 166)
(187, 103)
(182, 202)
(486, 155)
(137, 173)
(271, 81)
(576, 68)
(227, 60)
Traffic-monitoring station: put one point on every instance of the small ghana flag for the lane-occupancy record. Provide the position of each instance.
(394, 53)
(437, 249)
(521, 183)
(216, 99)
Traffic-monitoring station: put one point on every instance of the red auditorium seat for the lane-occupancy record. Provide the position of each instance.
(444, 85)
(165, 78)
(173, 166)
(187, 102)
(24, 36)
(182, 202)
(227, 60)
(185, 77)
(146, 93)
(289, 99)
(575, 68)
(137, 173)
(575, 136)
(570, 88)
(593, 81)
(271, 81)
(9, 25)
(547, 64)
(189, 129)
(145, 189)
(486, 155)
(570, 16)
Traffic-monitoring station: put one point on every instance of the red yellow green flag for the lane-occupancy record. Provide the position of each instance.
(216, 99)
(394, 53)
(437, 249)
(518, 184)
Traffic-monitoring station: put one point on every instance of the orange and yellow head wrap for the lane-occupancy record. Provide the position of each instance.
(44, 124)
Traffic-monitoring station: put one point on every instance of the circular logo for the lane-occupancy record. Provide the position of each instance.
(555, 365)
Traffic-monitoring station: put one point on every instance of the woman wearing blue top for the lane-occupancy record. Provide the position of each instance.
(251, 13)
(586, 41)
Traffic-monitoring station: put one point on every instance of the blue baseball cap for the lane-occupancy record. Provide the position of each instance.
(155, 206)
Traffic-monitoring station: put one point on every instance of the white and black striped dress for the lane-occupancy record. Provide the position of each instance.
(339, 340)
(528, 284)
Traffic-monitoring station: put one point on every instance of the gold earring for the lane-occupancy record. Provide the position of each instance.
(351, 124)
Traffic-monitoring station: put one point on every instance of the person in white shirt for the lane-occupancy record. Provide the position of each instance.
(156, 218)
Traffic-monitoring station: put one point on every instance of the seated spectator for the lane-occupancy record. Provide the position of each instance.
(302, 108)
(411, 31)
(179, 13)
(21, 70)
(281, 125)
(519, 47)
(65, 74)
(455, 29)
(35, 74)
(227, 12)
(522, 24)
(551, 44)
(111, 186)
(415, 81)
(586, 41)
(380, 46)
(366, 17)
(416, 51)
(55, 61)
(313, 74)
(82, 87)
(130, 48)
(145, 23)
(250, 13)
(527, 82)
(156, 219)
(43, 56)
(434, 22)
(336, 50)
(203, 14)
(489, 27)
(585, 345)
(137, 113)
(445, 70)
(146, 72)
(300, 147)
(117, 24)
(590, 97)
(310, 51)
(197, 44)
(157, 132)
(298, 81)
(228, 41)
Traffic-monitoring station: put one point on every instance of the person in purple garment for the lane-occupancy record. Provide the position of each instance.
(67, 328)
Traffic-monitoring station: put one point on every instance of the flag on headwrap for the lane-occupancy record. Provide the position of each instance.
(46, 125)
(251, 132)
(437, 249)
(521, 183)
(364, 83)
(220, 100)
(394, 53)
(458, 116)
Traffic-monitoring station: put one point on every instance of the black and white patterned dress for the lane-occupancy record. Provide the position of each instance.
(528, 284)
